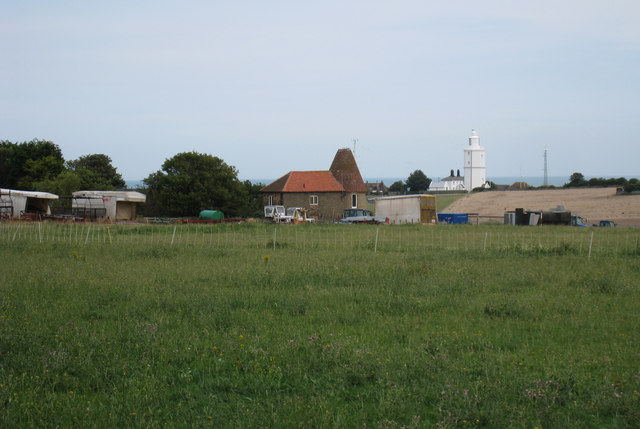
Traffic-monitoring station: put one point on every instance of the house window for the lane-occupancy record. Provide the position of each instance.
(270, 200)
(313, 200)
(354, 201)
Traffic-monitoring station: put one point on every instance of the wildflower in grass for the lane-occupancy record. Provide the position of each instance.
(77, 255)
(266, 259)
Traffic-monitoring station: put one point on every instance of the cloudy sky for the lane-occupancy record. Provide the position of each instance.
(276, 86)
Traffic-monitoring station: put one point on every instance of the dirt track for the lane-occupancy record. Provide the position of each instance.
(593, 204)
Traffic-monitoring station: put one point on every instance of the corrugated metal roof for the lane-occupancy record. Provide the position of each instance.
(29, 194)
(131, 196)
(400, 197)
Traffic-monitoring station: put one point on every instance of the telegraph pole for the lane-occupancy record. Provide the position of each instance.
(545, 182)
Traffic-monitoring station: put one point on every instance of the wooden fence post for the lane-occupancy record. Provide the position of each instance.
(275, 231)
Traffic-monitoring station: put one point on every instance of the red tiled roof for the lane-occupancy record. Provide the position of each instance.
(278, 185)
(342, 176)
(305, 181)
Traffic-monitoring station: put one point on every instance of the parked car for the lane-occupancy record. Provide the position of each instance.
(362, 216)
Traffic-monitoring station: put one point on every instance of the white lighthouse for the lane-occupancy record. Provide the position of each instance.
(475, 168)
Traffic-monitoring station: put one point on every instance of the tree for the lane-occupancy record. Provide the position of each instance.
(633, 185)
(96, 172)
(66, 183)
(576, 179)
(190, 182)
(398, 187)
(24, 164)
(253, 207)
(418, 181)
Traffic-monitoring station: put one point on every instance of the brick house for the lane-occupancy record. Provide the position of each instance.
(325, 194)
(376, 188)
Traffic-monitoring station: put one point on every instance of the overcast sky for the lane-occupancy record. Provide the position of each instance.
(274, 86)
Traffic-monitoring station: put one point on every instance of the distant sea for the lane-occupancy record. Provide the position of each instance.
(499, 180)
(134, 184)
(531, 180)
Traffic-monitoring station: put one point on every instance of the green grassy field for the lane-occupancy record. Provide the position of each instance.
(319, 326)
(444, 200)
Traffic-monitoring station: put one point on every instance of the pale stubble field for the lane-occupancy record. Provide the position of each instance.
(594, 204)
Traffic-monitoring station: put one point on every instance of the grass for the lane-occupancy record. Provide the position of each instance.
(428, 329)
(445, 200)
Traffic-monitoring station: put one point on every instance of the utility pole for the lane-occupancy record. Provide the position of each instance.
(546, 181)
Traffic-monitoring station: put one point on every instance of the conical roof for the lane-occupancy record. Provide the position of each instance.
(345, 170)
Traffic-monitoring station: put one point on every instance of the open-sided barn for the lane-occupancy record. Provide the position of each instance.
(110, 205)
(15, 203)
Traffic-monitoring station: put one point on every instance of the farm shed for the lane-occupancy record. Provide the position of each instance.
(117, 205)
(407, 208)
(15, 203)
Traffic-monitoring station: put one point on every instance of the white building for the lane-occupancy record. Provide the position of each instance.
(15, 203)
(407, 208)
(475, 169)
(112, 205)
(450, 183)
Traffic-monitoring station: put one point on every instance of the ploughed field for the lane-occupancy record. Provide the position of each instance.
(594, 204)
(319, 326)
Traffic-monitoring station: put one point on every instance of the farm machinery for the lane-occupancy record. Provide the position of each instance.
(278, 214)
